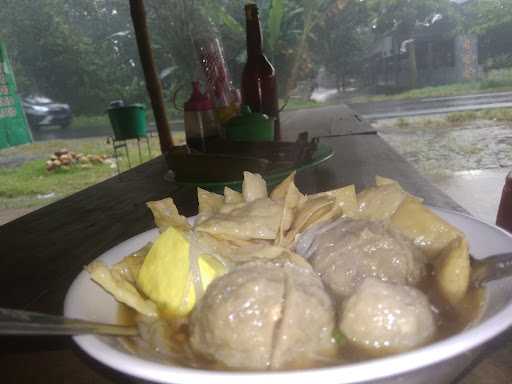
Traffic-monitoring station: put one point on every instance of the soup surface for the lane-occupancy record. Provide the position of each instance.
(449, 322)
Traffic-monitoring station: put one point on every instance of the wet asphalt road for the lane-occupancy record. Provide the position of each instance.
(432, 106)
(55, 133)
(371, 111)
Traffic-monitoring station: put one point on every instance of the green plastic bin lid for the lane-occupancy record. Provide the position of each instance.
(129, 106)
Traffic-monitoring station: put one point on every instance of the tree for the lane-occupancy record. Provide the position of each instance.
(83, 52)
(343, 40)
(483, 16)
(491, 20)
(402, 16)
(62, 50)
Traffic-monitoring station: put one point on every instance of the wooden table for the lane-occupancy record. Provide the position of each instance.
(43, 251)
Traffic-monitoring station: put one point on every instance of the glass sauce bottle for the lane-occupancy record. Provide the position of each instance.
(504, 215)
(201, 125)
(259, 88)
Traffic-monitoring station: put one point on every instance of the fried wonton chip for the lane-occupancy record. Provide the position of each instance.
(209, 202)
(232, 197)
(166, 214)
(279, 193)
(345, 197)
(258, 219)
(129, 267)
(254, 187)
(380, 202)
(292, 199)
(311, 212)
(427, 230)
(452, 271)
(380, 181)
(228, 207)
(239, 251)
(119, 287)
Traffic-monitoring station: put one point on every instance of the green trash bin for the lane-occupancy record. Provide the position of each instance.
(128, 122)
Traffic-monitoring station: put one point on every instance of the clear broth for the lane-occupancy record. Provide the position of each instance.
(450, 321)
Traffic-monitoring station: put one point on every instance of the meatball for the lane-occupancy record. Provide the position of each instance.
(384, 318)
(264, 315)
(352, 250)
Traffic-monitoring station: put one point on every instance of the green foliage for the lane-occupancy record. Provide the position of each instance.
(62, 50)
(495, 81)
(84, 53)
(403, 15)
(219, 16)
(274, 23)
(485, 15)
(461, 117)
(497, 114)
(343, 41)
(501, 114)
(402, 123)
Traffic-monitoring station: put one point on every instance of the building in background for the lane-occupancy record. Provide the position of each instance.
(433, 54)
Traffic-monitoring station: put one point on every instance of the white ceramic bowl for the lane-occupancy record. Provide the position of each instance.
(437, 363)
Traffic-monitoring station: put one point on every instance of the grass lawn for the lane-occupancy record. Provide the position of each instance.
(302, 104)
(434, 123)
(495, 81)
(25, 182)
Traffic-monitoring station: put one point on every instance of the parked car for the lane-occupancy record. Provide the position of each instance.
(42, 111)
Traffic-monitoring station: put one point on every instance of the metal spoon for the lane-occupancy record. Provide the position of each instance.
(491, 268)
(16, 322)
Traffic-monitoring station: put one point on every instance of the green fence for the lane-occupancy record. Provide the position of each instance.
(13, 123)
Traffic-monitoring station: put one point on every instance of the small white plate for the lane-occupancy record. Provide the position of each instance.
(86, 300)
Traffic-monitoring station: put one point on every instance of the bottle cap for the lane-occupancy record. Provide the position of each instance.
(198, 101)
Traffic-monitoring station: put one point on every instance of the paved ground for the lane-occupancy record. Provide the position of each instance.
(478, 191)
(469, 162)
(9, 214)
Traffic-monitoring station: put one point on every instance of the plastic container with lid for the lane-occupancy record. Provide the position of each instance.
(201, 124)
(128, 121)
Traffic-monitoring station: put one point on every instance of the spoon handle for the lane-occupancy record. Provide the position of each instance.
(491, 268)
(16, 322)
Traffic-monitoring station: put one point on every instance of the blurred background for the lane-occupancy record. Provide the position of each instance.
(434, 77)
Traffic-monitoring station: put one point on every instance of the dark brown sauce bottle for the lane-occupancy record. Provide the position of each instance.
(259, 87)
(504, 215)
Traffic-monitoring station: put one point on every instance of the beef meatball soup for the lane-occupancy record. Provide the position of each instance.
(280, 281)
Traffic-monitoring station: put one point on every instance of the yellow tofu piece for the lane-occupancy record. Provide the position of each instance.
(452, 271)
(427, 230)
(165, 276)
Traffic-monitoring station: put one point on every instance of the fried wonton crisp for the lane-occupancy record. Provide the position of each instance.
(166, 214)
